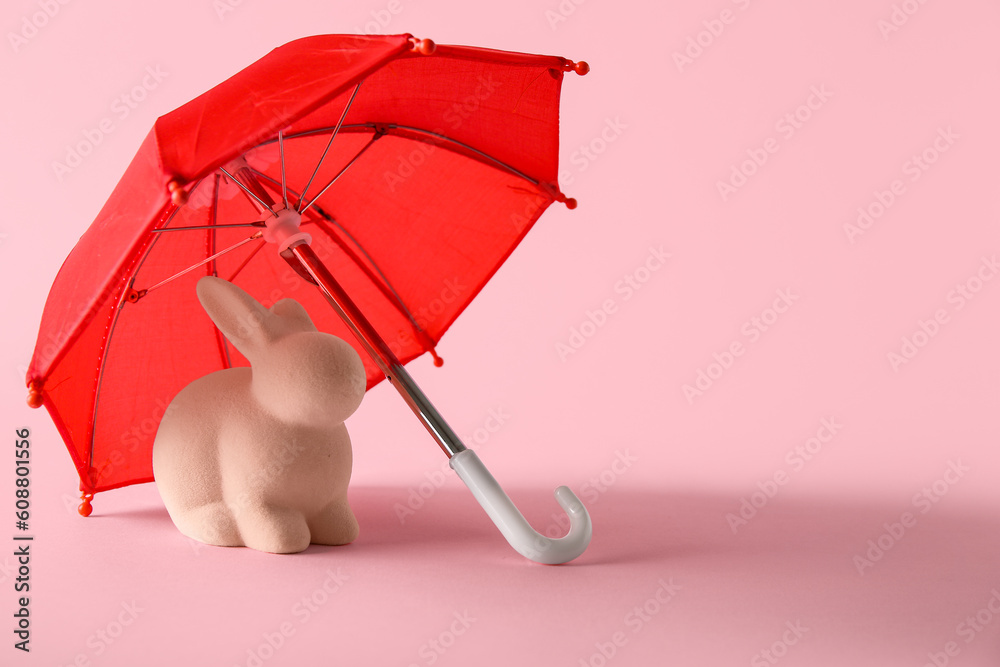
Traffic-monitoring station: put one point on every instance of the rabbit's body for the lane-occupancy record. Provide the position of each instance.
(261, 458)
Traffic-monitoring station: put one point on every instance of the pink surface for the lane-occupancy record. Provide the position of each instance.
(902, 123)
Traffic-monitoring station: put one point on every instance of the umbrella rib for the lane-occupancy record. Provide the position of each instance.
(328, 144)
(418, 130)
(340, 173)
(213, 219)
(112, 328)
(220, 339)
(444, 137)
(378, 270)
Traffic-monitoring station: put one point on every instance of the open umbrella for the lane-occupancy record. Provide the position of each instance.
(393, 174)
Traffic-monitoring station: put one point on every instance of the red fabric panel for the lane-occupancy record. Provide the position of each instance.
(97, 267)
(459, 93)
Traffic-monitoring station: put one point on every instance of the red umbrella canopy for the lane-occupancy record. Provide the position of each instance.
(413, 197)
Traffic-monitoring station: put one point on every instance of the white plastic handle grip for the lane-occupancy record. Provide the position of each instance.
(515, 528)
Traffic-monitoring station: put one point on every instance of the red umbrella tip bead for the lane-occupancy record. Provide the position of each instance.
(178, 195)
(85, 507)
(581, 67)
(34, 398)
(438, 361)
(424, 47)
(570, 203)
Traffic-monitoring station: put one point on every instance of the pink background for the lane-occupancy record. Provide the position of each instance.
(645, 141)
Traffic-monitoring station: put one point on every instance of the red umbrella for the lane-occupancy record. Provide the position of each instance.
(394, 175)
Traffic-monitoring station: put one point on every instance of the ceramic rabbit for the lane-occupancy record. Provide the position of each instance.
(260, 456)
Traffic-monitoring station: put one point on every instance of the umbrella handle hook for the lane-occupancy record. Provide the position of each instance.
(512, 524)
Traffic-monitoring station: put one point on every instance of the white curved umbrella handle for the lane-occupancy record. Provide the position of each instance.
(515, 528)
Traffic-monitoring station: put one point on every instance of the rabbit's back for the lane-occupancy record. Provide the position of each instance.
(186, 461)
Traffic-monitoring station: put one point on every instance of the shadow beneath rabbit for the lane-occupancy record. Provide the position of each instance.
(389, 518)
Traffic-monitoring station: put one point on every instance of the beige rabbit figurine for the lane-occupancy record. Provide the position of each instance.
(260, 456)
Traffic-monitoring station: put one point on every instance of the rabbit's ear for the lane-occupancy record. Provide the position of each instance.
(292, 315)
(237, 314)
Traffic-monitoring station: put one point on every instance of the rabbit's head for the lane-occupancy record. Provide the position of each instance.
(300, 375)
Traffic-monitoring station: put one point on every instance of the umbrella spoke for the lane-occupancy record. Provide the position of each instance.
(236, 245)
(281, 153)
(255, 223)
(246, 261)
(328, 144)
(275, 183)
(248, 192)
(340, 173)
(213, 220)
(385, 285)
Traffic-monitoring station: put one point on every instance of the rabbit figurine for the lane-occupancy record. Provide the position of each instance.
(260, 456)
